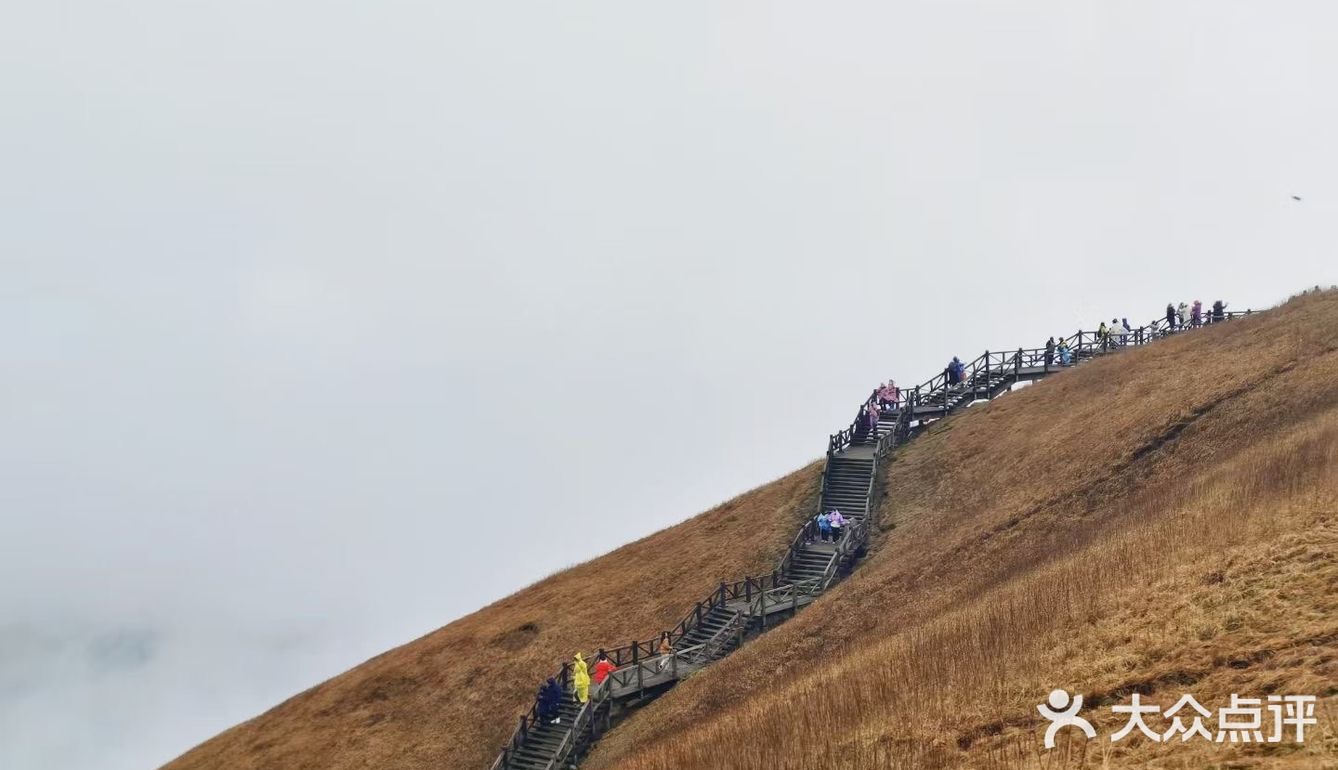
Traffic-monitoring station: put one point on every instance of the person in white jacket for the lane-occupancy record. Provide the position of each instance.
(1118, 334)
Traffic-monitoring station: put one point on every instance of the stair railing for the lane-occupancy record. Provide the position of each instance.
(1082, 344)
(621, 656)
(712, 648)
(651, 670)
(583, 721)
(517, 740)
(807, 533)
(789, 593)
(905, 413)
(635, 676)
(852, 541)
(744, 589)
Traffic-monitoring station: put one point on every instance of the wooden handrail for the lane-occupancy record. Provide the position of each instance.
(759, 593)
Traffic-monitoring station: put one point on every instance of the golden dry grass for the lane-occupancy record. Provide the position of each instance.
(1160, 519)
(448, 700)
(1164, 520)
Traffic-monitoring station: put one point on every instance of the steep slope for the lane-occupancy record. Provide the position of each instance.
(447, 699)
(1165, 519)
(1160, 519)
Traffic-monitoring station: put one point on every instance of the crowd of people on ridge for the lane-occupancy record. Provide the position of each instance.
(1192, 315)
(1119, 332)
(886, 397)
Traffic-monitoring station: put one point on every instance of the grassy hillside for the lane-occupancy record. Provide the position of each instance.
(1164, 520)
(447, 700)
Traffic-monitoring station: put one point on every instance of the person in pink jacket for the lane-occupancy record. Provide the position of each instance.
(838, 523)
(887, 395)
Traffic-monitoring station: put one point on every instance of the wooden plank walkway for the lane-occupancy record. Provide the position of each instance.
(721, 622)
(859, 451)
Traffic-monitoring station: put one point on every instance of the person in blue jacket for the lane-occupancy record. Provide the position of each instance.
(550, 701)
(957, 370)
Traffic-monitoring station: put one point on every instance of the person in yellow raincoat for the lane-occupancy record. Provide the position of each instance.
(580, 679)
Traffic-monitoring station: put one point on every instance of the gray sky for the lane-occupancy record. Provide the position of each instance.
(307, 304)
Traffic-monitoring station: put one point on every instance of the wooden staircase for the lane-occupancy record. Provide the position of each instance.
(712, 632)
(723, 621)
(811, 562)
(846, 482)
(543, 740)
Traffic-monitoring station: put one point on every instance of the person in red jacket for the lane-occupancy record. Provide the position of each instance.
(603, 667)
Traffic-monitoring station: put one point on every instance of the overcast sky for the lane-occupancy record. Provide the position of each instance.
(308, 306)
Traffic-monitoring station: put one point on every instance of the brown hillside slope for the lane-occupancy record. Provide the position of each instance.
(448, 699)
(1165, 520)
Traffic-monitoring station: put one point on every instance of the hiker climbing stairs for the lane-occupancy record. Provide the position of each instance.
(732, 613)
(543, 740)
